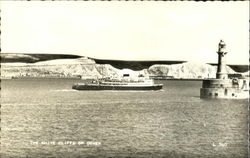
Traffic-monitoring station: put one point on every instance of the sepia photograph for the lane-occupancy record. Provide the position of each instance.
(124, 79)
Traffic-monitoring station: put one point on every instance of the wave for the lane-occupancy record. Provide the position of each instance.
(65, 90)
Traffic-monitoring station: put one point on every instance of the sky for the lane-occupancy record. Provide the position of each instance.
(144, 30)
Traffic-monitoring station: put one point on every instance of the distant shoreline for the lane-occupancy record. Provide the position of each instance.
(175, 79)
(135, 65)
(13, 78)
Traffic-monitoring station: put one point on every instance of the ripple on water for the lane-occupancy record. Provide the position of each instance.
(174, 122)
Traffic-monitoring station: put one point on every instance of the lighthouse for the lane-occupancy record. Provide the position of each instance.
(221, 69)
(223, 87)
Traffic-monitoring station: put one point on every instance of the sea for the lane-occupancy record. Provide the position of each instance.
(46, 118)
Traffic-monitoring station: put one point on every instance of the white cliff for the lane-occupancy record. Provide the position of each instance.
(85, 67)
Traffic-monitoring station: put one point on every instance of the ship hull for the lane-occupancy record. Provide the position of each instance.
(115, 87)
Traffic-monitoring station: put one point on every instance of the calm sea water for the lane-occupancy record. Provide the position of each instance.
(46, 118)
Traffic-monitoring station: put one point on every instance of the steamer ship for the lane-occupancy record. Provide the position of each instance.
(125, 83)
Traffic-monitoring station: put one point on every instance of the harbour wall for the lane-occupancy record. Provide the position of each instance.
(225, 88)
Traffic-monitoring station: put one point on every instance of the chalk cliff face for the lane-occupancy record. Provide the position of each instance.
(86, 67)
(81, 67)
(186, 70)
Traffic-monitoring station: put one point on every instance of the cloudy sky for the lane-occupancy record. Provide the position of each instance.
(127, 30)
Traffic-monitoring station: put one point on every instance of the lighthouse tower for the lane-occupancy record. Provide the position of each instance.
(221, 69)
(223, 87)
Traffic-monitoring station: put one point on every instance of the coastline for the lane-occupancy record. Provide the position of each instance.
(55, 77)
